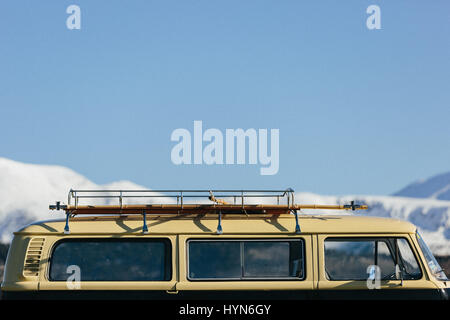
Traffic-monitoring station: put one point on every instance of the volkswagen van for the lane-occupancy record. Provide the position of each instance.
(235, 246)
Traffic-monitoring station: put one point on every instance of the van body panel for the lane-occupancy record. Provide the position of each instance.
(37, 241)
(235, 224)
(14, 278)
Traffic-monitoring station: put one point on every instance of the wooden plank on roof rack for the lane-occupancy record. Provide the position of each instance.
(201, 209)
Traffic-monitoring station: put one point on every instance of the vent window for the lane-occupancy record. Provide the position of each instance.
(33, 257)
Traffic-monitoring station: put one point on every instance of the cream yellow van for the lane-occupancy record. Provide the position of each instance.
(248, 244)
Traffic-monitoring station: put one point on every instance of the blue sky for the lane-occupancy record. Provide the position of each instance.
(359, 111)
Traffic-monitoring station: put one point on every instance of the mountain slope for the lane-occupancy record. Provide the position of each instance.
(436, 187)
(26, 190)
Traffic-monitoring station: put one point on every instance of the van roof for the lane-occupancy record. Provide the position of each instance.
(233, 224)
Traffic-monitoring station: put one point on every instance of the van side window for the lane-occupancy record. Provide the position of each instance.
(348, 259)
(245, 259)
(112, 259)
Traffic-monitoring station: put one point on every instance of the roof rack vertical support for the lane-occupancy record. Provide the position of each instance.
(144, 222)
(181, 194)
(297, 226)
(66, 227)
(219, 226)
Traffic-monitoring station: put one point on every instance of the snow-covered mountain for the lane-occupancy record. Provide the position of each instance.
(26, 190)
(436, 187)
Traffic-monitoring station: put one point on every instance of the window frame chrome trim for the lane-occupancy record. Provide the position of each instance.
(242, 278)
(168, 250)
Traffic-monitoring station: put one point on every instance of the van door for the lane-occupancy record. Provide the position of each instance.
(371, 267)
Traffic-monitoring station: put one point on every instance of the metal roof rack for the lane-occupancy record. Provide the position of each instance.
(218, 202)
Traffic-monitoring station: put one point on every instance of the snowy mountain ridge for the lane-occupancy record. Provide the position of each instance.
(436, 187)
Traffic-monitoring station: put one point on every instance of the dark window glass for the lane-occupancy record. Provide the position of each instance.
(245, 259)
(349, 259)
(218, 259)
(113, 260)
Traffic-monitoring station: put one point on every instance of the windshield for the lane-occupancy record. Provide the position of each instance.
(435, 268)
